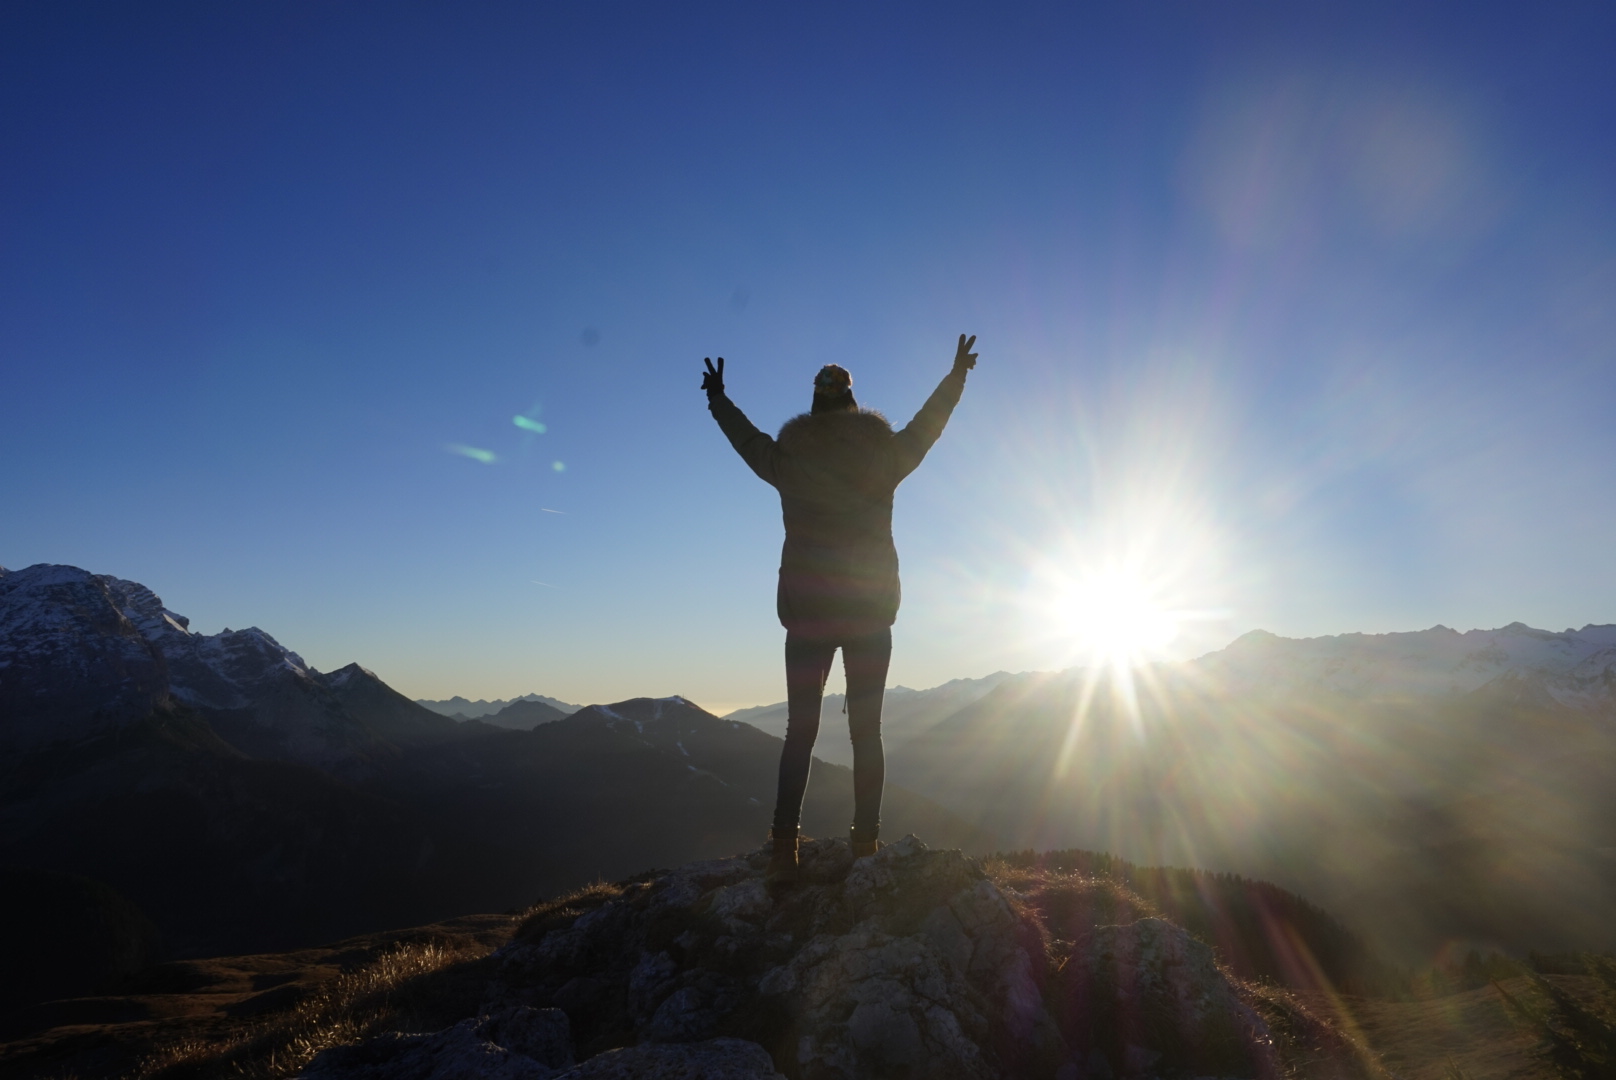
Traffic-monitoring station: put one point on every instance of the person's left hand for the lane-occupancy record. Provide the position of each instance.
(713, 381)
(964, 357)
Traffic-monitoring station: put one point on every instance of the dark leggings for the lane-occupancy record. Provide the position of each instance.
(808, 661)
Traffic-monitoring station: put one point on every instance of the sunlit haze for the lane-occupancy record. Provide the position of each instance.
(381, 327)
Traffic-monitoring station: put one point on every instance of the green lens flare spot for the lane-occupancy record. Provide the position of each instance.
(558, 466)
(487, 457)
(529, 424)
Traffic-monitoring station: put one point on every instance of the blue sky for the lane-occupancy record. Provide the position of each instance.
(1305, 315)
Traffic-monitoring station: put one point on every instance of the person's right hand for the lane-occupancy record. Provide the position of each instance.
(713, 381)
(964, 358)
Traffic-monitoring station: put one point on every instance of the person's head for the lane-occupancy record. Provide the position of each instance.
(833, 389)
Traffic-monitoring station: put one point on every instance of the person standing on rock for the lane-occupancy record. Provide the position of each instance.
(836, 468)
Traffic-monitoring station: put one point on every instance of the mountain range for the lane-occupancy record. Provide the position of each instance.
(1435, 789)
(905, 713)
(459, 708)
(242, 800)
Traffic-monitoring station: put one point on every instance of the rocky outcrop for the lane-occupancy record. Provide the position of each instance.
(1150, 998)
(911, 962)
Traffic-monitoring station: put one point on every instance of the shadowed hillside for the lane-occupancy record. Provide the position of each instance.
(226, 853)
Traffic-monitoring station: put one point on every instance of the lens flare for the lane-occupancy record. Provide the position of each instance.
(558, 466)
(487, 457)
(527, 423)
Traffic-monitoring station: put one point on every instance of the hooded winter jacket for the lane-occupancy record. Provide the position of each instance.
(836, 473)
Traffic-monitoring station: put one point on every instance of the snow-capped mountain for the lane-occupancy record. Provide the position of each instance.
(83, 653)
(71, 662)
(1575, 667)
(226, 670)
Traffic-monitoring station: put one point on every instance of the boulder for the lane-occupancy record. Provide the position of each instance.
(1148, 998)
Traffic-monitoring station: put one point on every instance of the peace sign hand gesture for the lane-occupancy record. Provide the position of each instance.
(964, 358)
(713, 381)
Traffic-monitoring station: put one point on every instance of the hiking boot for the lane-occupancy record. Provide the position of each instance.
(864, 842)
(782, 871)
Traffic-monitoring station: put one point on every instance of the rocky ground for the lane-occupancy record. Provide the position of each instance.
(911, 963)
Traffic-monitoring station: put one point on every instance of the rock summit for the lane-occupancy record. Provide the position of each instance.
(908, 963)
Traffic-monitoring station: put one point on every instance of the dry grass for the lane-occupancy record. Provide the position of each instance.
(407, 989)
(414, 987)
(540, 919)
(1311, 1044)
(1066, 905)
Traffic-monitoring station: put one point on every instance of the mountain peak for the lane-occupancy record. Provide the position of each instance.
(76, 664)
(87, 653)
(342, 675)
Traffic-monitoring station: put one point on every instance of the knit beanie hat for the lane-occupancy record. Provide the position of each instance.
(833, 389)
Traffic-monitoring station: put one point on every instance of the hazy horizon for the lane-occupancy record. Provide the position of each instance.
(382, 329)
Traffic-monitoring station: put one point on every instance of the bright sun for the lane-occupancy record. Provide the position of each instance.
(1114, 617)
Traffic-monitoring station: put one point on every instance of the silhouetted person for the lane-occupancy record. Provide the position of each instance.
(836, 468)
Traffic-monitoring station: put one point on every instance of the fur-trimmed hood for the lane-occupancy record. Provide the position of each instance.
(843, 454)
(848, 423)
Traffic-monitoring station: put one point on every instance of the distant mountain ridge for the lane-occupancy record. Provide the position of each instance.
(905, 713)
(1576, 668)
(524, 715)
(460, 708)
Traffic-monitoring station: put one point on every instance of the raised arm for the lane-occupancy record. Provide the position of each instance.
(915, 439)
(756, 449)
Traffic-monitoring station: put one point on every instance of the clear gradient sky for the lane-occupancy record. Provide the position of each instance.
(1304, 313)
